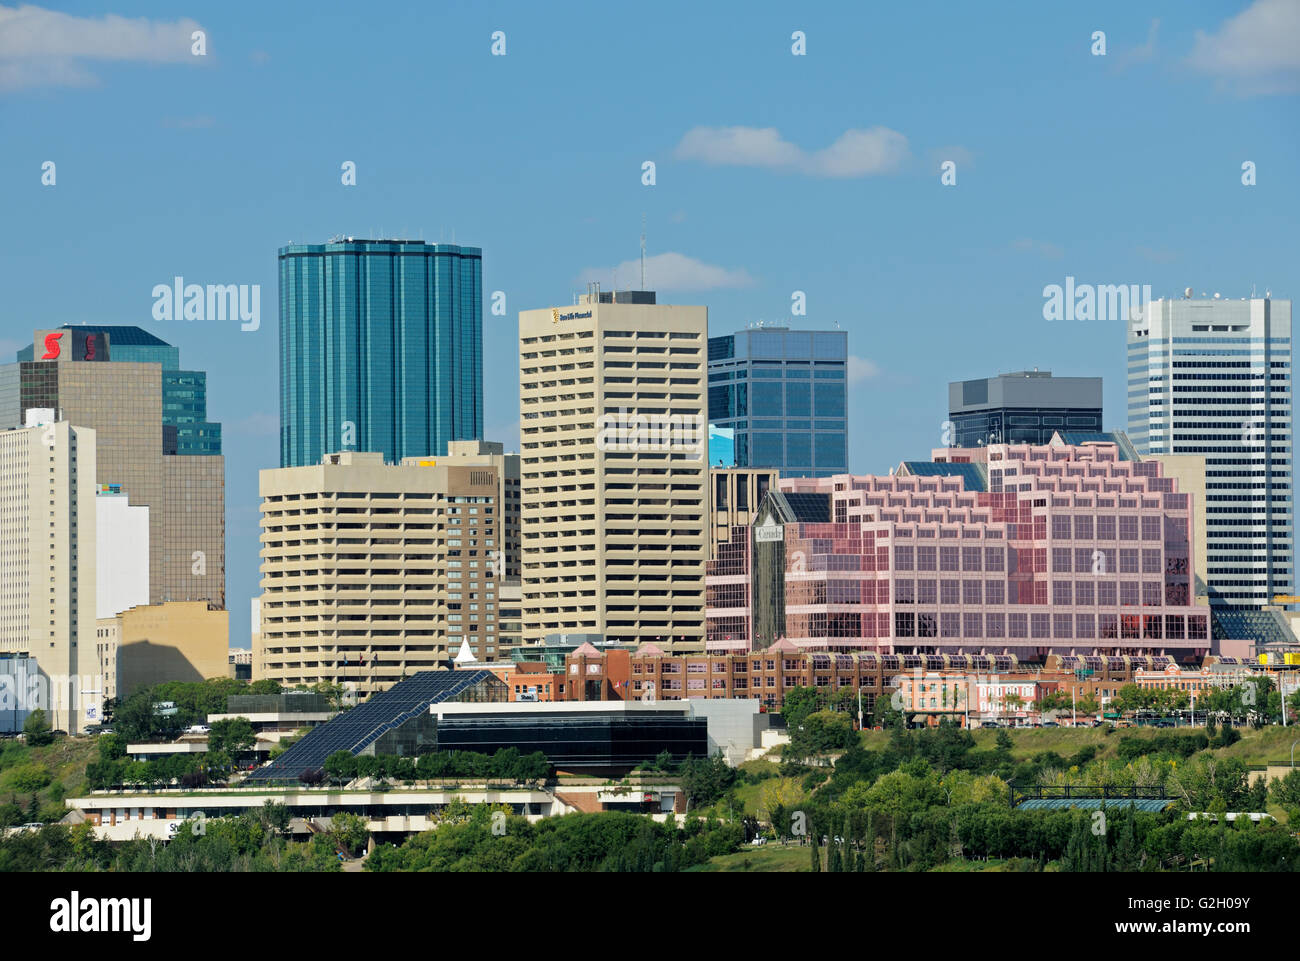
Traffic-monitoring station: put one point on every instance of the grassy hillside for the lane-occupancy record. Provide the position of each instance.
(1268, 745)
(770, 857)
(60, 766)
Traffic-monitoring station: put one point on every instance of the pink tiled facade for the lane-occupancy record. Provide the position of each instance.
(1069, 550)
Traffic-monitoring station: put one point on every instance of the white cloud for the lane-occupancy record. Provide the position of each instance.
(860, 369)
(41, 48)
(857, 153)
(1258, 49)
(670, 271)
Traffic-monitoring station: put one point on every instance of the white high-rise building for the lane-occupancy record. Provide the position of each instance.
(1212, 378)
(122, 536)
(47, 565)
(614, 469)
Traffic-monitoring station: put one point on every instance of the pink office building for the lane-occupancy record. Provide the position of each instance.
(1024, 549)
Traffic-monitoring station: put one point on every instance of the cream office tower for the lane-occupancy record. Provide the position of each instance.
(47, 570)
(613, 469)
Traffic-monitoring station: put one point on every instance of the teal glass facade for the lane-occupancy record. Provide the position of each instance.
(785, 394)
(381, 348)
(186, 428)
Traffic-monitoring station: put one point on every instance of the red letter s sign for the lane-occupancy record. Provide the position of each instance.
(52, 345)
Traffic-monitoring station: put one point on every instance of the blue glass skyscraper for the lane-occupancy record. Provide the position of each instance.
(381, 348)
(785, 394)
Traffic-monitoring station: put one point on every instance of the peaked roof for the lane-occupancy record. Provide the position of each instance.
(122, 335)
(1077, 438)
(789, 507)
(650, 649)
(587, 649)
(784, 645)
(465, 655)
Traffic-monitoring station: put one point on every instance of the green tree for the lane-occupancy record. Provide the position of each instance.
(27, 778)
(797, 703)
(1285, 791)
(341, 767)
(232, 735)
(37, 729)
(1129, 698)
(706, 780)
(349, 831)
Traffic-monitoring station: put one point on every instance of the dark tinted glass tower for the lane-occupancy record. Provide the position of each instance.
(380, 348)
(785, 394)
(1025, 407)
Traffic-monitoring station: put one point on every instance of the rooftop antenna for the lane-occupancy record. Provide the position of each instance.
(643, 250)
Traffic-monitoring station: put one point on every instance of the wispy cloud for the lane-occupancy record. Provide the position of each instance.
(45, 48)
(857, 153)
(1145, 53)
(670, 271)
(860, 369)
(1042, 248)
(1257, 51)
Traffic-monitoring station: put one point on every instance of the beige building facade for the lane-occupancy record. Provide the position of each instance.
(734, 495)
(47, 564)
(372, 571)
(614, 470)
(479, 453)
(176, 641)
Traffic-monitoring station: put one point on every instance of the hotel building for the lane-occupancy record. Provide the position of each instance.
(613, 472)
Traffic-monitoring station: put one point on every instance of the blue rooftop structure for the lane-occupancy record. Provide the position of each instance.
(975, 476)
(357, 729)
(1150, 805)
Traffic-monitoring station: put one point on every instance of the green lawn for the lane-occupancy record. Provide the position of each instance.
(770, 857)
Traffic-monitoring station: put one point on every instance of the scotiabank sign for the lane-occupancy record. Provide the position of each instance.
(71, 344)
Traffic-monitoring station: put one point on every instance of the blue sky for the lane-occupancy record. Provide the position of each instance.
(774, 173)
